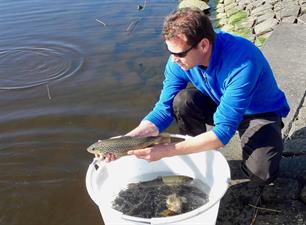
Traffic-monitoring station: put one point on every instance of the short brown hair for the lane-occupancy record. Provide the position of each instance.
(191, 22)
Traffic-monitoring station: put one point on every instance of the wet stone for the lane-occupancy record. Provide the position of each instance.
(282, 190)
(303, 194)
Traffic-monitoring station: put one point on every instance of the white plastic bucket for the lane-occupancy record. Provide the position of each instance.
(105, 180)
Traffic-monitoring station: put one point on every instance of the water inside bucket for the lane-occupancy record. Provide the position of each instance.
(162, 196)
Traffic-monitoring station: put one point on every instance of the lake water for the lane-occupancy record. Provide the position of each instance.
(71, 72)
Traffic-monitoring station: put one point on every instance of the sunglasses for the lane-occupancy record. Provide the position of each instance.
(184, 53)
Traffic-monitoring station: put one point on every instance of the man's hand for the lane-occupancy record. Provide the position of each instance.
(153, 153)
(108, 157)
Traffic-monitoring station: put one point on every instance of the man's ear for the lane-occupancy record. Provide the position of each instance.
(204, 44)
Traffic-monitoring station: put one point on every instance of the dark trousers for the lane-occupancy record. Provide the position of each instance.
(260, 134)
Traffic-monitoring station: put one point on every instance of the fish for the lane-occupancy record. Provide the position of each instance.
(176, 180)
(121, 145)
(174, 205)
(170, 180)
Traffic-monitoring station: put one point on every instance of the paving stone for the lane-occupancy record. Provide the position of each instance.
(289, 41)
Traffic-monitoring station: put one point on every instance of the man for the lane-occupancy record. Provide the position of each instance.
(235, 90)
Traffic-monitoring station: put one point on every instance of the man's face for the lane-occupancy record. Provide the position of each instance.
(183, 54)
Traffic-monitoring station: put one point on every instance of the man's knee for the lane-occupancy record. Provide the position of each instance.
(181, 102)
(262, 170)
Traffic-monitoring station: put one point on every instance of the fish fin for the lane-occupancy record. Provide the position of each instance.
(167, 212)
(165, 138)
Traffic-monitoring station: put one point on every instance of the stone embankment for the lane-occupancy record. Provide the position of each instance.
(256, 20)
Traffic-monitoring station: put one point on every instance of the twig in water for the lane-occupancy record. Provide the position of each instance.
(101, 22)
(145, 3)
(48, 91)
(132, 26)
(254, 218)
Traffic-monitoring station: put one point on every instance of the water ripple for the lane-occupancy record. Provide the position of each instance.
(26, 67)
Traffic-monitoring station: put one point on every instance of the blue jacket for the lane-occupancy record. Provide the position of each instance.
(238, 78)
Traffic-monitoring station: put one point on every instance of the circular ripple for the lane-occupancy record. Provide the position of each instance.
(26, 67)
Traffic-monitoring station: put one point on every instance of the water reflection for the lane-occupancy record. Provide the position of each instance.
(101, 81)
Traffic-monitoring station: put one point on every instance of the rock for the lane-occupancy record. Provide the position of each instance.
(259, 3)
(265, 26)
(298, 125)
(249, 22)
(266, 16)
(290, 10)
(228, 28)
(285, 213)
(234, 208)
(233, 11)
(303, 8)
(229, 6)
(261, 10)
(249, 7)
(221, 16)
(301, 2)
(294, 145)
(220, 10)
(194, 3)
(302, 19)
(272, 2)
(228, 2)
(261, 39)
(303, 194)
(237, 17)
(284, 189)
(294, 168)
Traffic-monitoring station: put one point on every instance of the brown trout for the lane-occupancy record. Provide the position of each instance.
(121, 145)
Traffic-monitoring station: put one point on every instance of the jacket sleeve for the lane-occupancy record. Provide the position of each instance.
(175, 80)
